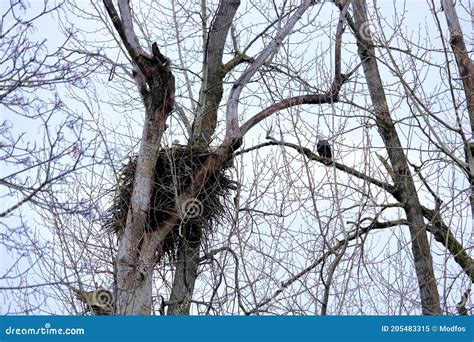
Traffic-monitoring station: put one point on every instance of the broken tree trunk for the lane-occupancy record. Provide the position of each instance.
(155, 81)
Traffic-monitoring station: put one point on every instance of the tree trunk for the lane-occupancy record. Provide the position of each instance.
(402, 175)
(136, 256)
(204, 125)
(213, 73)
(135, 262)
(466, 70)
(184, 278)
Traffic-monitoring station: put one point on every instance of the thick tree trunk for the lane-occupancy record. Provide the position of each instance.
(184, 278)
(466, 70)
(210, 97)
(134, 279)
(136, 256)
(403, 178)
(213, 73)
(135, 262)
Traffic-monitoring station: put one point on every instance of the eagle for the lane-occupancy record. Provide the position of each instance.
(324, 149)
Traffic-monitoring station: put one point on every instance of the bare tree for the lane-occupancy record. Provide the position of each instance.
(43, 141)
(405, 186)
(466, 71)
(30, 75)
(375, 223)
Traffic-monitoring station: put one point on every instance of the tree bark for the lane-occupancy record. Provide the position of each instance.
(185, 277)
(402, 175)
(135, 259)
(204, 125)
(213, 73)
(466, 71)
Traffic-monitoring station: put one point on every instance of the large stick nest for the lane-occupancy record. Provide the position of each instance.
(174, 171)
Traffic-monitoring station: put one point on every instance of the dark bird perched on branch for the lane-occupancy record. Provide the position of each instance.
(324, 149)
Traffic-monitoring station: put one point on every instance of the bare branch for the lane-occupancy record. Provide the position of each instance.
(232, 122)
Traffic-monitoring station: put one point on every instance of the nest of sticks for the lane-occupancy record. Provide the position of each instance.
(174, 171)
